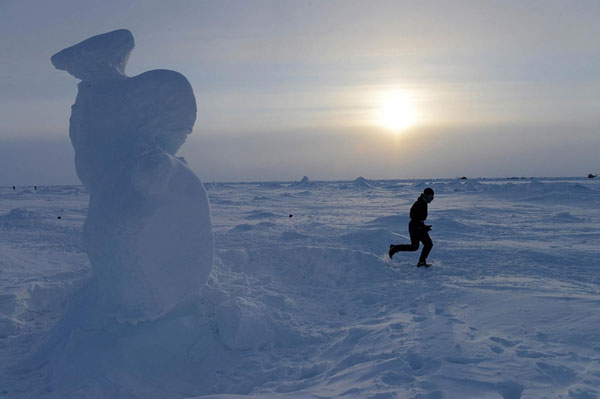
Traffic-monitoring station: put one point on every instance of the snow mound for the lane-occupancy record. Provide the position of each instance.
(464, 185)
(17, 214)
(18, 217)
(359, 183)
(242, 228)
(243, 324)
(362, 183)
(48, 296)
(305, 182)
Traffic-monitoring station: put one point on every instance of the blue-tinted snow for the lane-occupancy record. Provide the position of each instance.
(311, 306)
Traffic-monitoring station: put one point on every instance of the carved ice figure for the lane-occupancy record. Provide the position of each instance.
(148, 231)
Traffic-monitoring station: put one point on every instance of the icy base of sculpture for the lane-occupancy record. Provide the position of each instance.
(200, 346)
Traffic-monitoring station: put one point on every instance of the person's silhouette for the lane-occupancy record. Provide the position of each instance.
(419, 231)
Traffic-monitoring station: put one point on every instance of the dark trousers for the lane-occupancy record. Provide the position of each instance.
(418, 234)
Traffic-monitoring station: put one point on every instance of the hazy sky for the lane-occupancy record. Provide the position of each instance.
(328, 89)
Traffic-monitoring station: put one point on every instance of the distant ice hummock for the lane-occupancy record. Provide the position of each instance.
(148, 231)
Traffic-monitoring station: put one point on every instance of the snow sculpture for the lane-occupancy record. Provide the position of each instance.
(148, 231)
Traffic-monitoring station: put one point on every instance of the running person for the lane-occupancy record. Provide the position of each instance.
(419, 231)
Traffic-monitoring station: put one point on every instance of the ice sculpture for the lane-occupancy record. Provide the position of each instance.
(148, 231)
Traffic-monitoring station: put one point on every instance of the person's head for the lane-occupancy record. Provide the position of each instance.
(428, 194)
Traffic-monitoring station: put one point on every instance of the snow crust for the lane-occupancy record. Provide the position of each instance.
(312, 307)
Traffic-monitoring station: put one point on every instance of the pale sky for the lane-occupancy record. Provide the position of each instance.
(327, 89)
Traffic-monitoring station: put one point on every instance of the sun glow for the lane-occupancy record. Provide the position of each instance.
(396, 111)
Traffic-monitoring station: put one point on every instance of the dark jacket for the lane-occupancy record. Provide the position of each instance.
(418, 215)
(418, 212)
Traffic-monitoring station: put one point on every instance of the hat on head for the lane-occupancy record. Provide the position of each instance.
(428, 191)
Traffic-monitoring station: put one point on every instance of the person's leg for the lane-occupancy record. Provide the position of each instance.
(427, 245)
(413, 246)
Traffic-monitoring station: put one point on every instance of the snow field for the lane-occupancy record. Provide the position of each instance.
(311, 306)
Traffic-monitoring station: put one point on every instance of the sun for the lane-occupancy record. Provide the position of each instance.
(396, 111)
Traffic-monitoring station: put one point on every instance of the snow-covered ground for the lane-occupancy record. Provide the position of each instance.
(310, 306)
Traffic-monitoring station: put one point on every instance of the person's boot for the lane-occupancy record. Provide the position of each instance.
(423, 263)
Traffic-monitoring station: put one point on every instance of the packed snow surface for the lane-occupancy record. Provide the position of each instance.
(303, 301)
